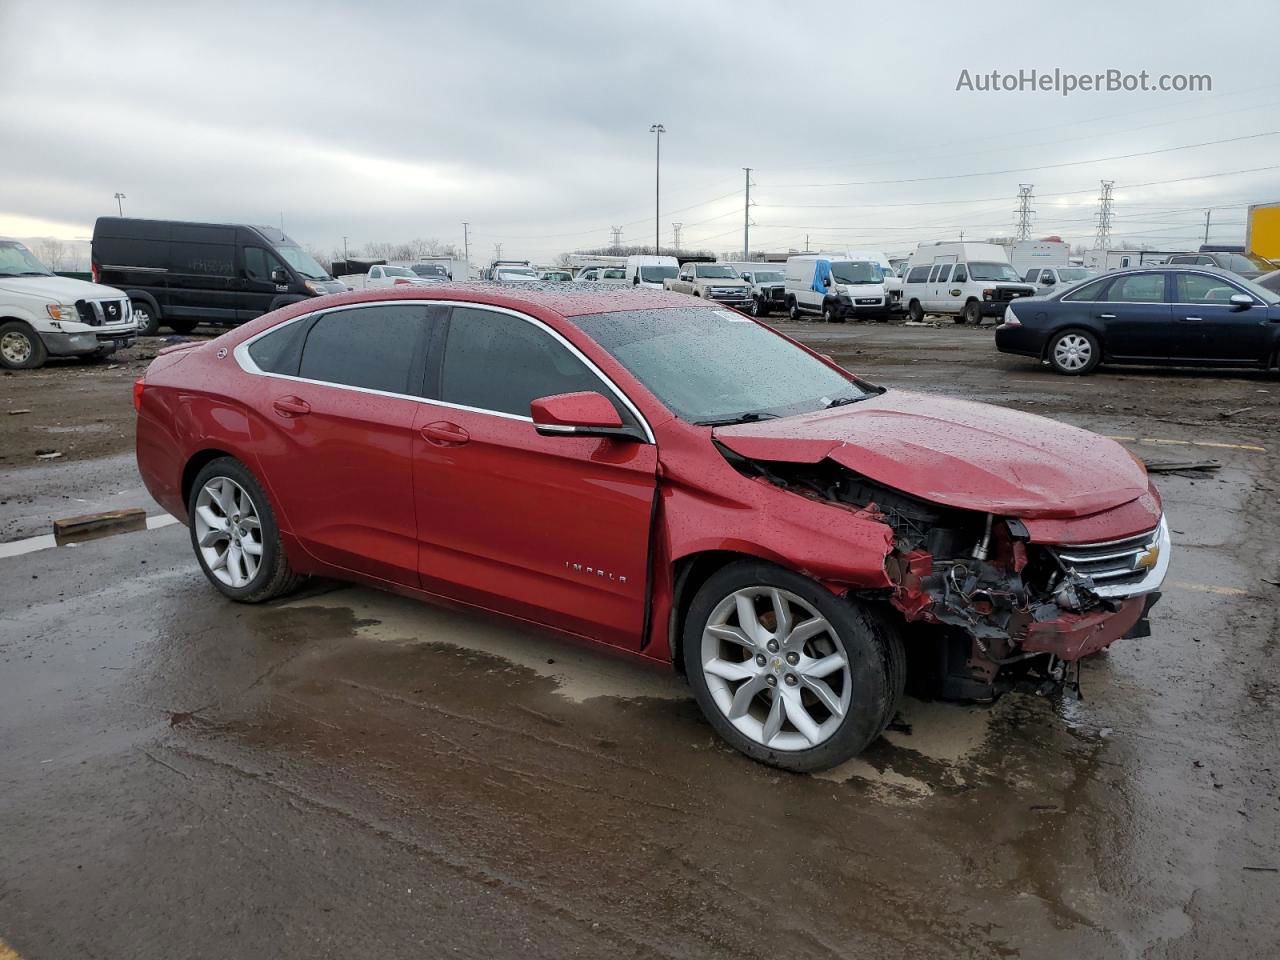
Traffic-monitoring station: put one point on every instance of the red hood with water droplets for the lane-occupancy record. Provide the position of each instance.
(972, 456)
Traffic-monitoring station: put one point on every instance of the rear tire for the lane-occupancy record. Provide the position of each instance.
(21, 347)
(182, 326)
(234, 534)
(1073, 352)
(828, 314)
(793, 309)
(915, 311)
(859, 650)
(147, 317)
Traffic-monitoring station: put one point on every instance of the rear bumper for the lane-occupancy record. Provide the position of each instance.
(1019, 340)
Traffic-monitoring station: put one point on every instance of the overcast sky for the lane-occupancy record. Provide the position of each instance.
(531, 120)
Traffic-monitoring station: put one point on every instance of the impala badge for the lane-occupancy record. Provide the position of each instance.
(593, 571)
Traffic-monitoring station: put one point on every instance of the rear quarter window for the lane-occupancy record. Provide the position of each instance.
(280, 351)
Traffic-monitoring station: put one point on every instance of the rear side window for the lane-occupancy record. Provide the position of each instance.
(371, 347)
(494, 361)
(280, 350)
(943, 271)
(918, 275)
(1089, 292)
(1137, 288)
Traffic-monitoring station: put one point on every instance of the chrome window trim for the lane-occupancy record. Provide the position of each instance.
(248, 365)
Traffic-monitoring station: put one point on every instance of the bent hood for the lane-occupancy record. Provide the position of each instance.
(972, 456)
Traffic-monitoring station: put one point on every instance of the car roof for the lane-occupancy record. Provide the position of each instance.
(555, 297)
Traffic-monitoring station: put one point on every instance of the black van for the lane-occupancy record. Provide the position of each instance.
(181, 274)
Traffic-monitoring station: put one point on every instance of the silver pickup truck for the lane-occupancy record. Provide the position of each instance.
(711, 281)
(768, 286)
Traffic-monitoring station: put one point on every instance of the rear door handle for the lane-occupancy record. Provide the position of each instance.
(291, 406)
(1193, 318)
(1106, 316)
(445, 434)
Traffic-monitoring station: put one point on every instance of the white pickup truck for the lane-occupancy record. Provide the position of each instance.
(43, 315)
(711, 281)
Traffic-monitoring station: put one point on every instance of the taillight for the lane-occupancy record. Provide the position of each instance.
(94, 272)
(401, 280)
(138, 386)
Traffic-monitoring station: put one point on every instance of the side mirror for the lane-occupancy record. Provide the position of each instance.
(1242, 300)
(1049, 281)
(826, 281)
(747, 277)
(280, 277)
(584, 414)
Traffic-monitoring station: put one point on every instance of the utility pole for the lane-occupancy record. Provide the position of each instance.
(617, 239)
(120, 197)
(466, 242)
(746, 219)
(1207, 214)
(1024, 210)
(497, 251)
(345, 258)
(962, 236)
(806, 243)
(675, 229)
(659, 129)
(282, 221)
(1103, 239)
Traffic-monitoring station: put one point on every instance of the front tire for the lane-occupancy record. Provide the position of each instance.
(787, 672)
(758, 308)
(235, 536)
(1073, 352)
(148, 319)
(972, 313)
(21, 347)
(915, 311)
(182, 326)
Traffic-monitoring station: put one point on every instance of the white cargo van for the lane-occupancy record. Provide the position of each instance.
(835, 286)
(1026, 254)
(650, 271)
(892, 279)
(966, 281)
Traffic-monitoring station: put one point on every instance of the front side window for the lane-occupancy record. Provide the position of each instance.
(1138, 288)
(494, 361)
(960, 275)
(918, 275)
(1202, 288)
(707, 365)
(302, 262)
(372, 347)
(259, 263)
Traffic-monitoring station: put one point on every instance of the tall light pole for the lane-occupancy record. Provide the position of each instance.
(659, 129)
(466, 242)
(746, 219)
(120, 198)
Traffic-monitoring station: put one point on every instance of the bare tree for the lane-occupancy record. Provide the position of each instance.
(53, 253)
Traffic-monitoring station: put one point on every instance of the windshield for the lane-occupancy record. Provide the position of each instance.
(1262, 293)
(430, 270)
(517, 272)
(613, 273)
(399, 272)
(302, 262)
(1072, 274)
(1244, 263)
(992, 271)
(715, 271)
(767, 276)
(656, 274)
(706, 364)
(17, 261)
(556, 275)
(856, 271)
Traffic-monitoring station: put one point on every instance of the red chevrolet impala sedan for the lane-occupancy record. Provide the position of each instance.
(662, 475)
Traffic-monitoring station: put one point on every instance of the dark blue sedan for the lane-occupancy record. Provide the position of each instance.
(1153, 315)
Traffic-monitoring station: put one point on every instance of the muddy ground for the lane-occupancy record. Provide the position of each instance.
(347, 773)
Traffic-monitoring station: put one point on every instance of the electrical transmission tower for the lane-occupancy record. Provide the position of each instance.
(675, 229)
(497, 251)
(1103, 240)
(1024, 210)
(617, 238)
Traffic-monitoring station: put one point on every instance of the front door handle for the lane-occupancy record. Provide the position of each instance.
(445, 434)
(1193, 318)
(291, 406)
(1106, 316)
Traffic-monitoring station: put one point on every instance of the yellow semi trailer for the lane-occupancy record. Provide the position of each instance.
(1262, 235)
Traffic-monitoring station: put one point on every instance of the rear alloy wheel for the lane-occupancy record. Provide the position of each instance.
(1074, 352)
(20, 347)
(148, 319)
(234, 533)
(787, 672)
(915, 311)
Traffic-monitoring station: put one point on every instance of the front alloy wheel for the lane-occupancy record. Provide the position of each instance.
(788, 672)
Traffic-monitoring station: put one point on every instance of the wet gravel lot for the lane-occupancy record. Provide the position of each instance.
(348, 773)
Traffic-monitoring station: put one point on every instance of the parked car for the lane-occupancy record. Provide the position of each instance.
(509, 273)
(181, 274)
(666, 477)
(1048, 279)
(768, 286)
(711, 281)
(616, 276)
(1270, 280)
(835, 287)
(386, 275)
(966, 281)
(1181, 316)
(431, 270)
(650, 271)
(43, 315)
(1245, 265)
(556, 276)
